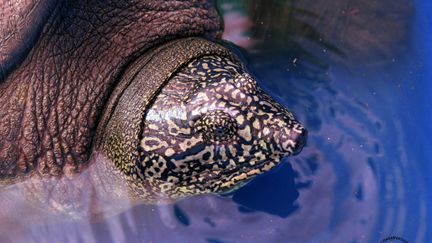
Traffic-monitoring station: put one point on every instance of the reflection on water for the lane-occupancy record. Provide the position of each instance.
(346, 70)
(356, 32)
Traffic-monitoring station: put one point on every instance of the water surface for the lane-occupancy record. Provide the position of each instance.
(358, 75)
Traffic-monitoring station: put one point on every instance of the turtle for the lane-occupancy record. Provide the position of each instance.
(114, 118)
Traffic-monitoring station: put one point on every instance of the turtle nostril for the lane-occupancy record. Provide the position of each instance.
(300, 141)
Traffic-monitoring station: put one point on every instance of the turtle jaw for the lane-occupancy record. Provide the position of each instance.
(245, 173)
(228, 179)
(289, 141)
(219, 181)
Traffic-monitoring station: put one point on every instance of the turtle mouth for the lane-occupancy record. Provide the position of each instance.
(224, 179)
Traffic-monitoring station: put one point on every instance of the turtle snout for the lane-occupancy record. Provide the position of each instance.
(293, 140)
(300, 140)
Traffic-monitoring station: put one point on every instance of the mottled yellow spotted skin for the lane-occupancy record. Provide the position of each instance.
(212, 128)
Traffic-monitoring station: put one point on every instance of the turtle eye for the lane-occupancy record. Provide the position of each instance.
(220, 131)
(216, 126)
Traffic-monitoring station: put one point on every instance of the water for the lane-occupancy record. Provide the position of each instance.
(357, 74)
(365, 89)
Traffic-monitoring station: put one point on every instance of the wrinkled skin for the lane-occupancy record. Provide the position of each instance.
(54, 96)
(51, 101)
(54, 84)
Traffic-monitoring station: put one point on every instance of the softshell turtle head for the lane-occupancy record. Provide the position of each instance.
(209, 129)
(212, 128)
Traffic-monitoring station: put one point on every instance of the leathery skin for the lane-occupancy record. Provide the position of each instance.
(51, 101)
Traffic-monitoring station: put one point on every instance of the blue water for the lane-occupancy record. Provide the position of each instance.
(424, 53)
(364, 175)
